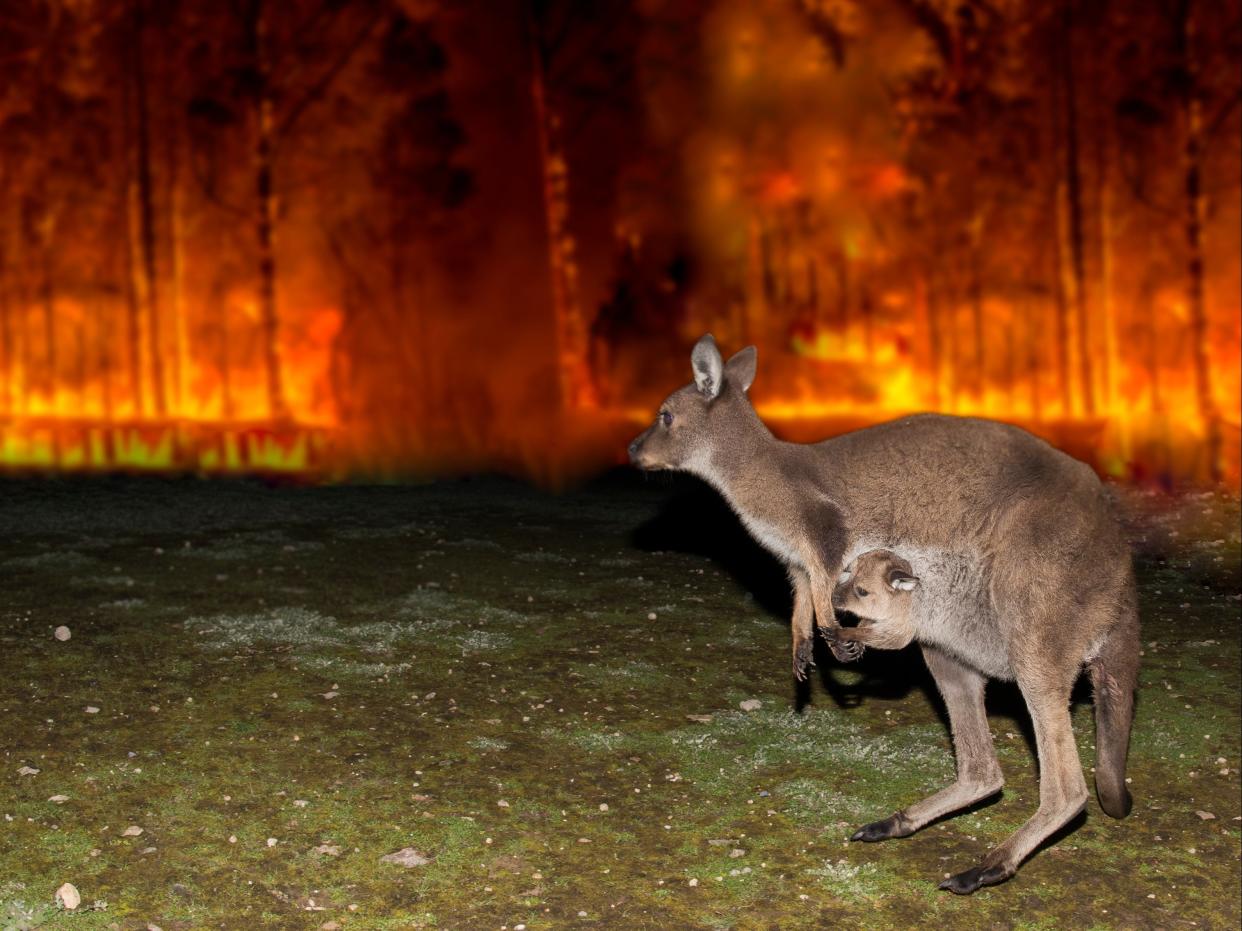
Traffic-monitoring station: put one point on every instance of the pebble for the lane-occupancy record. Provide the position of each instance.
(28, 771)
(132, 831)
(751, 704)
(91, 709)
(62, 633)
(1205, 816)
(272, 842)
(67, 897)
(603, 806)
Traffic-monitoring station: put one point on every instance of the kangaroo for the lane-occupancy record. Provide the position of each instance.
(996, 524)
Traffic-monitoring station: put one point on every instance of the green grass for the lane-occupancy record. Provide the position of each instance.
(375, 669)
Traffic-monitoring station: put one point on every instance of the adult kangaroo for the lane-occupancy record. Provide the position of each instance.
(986, 515)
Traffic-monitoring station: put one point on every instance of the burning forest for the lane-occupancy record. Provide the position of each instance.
(402, 236)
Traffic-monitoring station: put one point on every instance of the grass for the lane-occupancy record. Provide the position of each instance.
(292, 683)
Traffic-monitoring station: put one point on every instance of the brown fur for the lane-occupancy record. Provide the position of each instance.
(995, 513)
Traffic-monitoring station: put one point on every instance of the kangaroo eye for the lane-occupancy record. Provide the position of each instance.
(862, 592)
(666, 418)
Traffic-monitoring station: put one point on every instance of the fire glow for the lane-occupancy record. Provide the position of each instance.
(299, 239)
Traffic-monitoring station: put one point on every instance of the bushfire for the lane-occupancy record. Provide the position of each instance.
(338, 240)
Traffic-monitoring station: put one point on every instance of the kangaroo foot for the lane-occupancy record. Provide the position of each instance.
(968, 881)
(893, 826)
(804, 658)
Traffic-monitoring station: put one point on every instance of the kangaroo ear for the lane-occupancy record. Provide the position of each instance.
(708, 367)
(901, 581)
(740, 370)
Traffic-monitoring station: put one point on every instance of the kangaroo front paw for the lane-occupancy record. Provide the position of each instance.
(894, 826)
(803, 658)
(846, 651)
(968, 881)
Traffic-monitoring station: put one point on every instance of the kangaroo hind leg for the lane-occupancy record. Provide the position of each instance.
(1062, 788)
(978, 772)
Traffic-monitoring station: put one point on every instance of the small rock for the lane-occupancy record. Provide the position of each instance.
(330, 695)
(67, 897)
(737, 852)
(651, 615)
(1205, 816)
(694, 882)
(62, 633)
(328, 850)
(699, 718)
(502, 804)
(91, 709)
(272, 842)
(603, 806)
(300, 803)
(27, 771)
(58, 799)
(330, 926)
(407, 857)
(132, 831)
(751, 704)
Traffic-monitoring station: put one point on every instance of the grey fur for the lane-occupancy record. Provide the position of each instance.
(995, 524)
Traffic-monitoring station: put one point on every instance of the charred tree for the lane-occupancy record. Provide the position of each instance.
(1190, 105)
(146, 208)
(1074, 207)
(572, 332)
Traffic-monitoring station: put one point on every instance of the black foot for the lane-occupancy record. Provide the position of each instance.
(966, 882)
(893, 826)
(804, 659)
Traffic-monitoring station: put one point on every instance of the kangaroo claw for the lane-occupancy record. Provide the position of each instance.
(846, 651)
(803, 659)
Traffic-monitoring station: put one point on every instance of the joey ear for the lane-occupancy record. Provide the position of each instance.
(740, 370)
(708, 366)
(901, 581)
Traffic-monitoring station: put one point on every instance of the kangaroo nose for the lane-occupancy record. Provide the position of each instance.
(633, 450)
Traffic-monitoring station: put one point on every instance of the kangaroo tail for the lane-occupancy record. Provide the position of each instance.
(1114, 675)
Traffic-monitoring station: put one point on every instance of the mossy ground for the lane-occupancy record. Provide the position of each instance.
(470, 669)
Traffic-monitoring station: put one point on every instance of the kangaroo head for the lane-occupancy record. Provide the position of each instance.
(876, 586)
(704, 415)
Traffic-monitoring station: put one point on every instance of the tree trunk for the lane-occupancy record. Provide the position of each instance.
(133, 278)
(1073, 175)
(1192, 168)
(576, 384)
(978, 379)
(927, 300)
(1064, 373)
(147, 213)
(176, 244)
(6, 337)
(264, 157)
